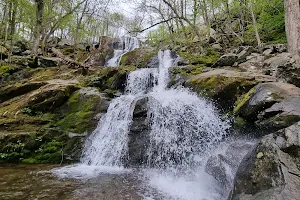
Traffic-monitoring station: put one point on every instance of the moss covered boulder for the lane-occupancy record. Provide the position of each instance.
(18, 89)
(225, 86)
(49, 97)
(271, 105)
(110, 78)
(207, 58)
(79, 113)
(139, 57)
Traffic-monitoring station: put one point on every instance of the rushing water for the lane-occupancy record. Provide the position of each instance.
(186, 141)
(126, 44)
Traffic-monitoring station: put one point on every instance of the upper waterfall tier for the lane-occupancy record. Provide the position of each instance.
(125, 45)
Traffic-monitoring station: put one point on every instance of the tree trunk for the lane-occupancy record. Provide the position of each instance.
(292, 27)
(39, 24)
(255, 25)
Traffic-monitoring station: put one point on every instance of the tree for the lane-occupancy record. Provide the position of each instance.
(39, 24)
(292, 26)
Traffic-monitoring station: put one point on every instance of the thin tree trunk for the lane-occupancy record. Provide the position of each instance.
(39, 23)
(255, 25)
(292, 27)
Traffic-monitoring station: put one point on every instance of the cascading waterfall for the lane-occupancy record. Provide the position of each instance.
(184, 132)
(127, 44)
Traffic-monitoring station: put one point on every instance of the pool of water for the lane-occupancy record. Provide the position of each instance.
(38, 182)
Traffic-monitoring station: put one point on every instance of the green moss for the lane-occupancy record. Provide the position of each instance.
(138, 57)
(78, 113)
(4, 70)
(210, 58)
(242, 100)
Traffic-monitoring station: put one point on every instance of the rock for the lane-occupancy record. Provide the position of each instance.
(22, 60)
(64, 43)
(283, 67)
(254, 63)
(226, 60)
(26, 53)
(224, 166)
(225, 86)
(268, 52)
(242, 56)
(48, 62)
(3, 53)
(139, 134)
(79, 114)
(49, 97)
(276, 48)
(217, 47)
(154, 62)
(112, 78)
(12, 91)
(271, 170)
(139, 57)
(272, 65)
(271, 105)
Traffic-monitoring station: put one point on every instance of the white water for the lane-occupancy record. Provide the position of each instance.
(126, 45)
(185, 131)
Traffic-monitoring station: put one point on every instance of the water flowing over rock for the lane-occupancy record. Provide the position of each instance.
(126, 44)
(169, 133)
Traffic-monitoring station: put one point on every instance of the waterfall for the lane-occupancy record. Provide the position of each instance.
(126, 44)
(184, 135)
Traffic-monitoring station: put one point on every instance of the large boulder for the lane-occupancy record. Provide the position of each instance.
(139, 134)
(49, 97)
(284, 67)
(12, 91)
(139, 57)
(272, 105)
(225, 86)
(271, 170)
(80, 113)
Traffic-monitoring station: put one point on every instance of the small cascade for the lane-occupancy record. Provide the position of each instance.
(185, 131)
(126, 44)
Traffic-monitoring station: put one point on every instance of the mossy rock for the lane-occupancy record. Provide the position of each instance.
(139, 57)
(44, 146)
(225, 90)
(113, 78)
(12, 91)
(78, 113)
(50, 99)
(208, 59)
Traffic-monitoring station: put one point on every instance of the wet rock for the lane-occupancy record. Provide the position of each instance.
(139, 134)
(153, 62)
(226, 60)
(272, 105)
(225, 86)
(224, 166)
(112, 78)
(271, 170)
(12, 91)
